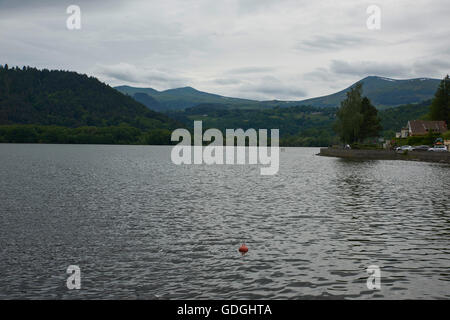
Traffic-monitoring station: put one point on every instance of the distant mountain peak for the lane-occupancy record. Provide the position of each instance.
(377, 78)
(394, 80)
(131, 90)
(181, 98)
(387, 79)
(189, 88)
(182, 89)
(382, 91)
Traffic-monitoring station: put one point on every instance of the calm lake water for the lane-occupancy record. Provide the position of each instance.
(141, 227)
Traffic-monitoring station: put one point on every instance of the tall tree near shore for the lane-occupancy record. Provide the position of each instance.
(440, 107)
(349, 117)
(357, 118)
(371, 125)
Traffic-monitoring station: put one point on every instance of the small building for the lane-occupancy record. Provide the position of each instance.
(404, 133)
(422, 127)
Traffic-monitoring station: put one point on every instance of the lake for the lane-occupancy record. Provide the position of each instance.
(140, 227)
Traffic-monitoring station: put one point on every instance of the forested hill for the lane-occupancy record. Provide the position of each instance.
(69, 99)
(382, 92)
(182, 98)
(300, 125)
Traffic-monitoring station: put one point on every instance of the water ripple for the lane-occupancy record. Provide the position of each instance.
(142, 228)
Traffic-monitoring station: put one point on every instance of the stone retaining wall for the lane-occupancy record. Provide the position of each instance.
(443, 157)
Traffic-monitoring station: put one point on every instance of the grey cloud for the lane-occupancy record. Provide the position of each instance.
(432, 67)
(352, 71)
(247, 70)
(251, 6)
(226, 81)
(319, 74)
(333, 42)
(30, 4)
(269, 88)
(364, 68)
(159, 79)
(258, 6)
(232, 46)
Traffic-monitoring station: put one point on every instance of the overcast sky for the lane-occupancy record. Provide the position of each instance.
(258, 49)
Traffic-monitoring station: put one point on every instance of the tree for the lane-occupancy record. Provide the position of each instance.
(440, 106)
(371, 125)
(349, 117)
(357, 118)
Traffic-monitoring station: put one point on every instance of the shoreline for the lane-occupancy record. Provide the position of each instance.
(423, 156)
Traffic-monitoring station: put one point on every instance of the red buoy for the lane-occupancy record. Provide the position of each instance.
(243, 248)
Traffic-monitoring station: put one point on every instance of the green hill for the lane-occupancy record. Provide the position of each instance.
(383, 93)
(44, 98)
(395, 118)
(148, 101)
(67, 107)
(298, 125)
(182, 98)
(32, 96)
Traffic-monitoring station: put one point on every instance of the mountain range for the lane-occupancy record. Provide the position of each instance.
(181, 98)
(51, 106)
(383, 92)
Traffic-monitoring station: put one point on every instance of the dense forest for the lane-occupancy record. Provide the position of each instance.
(440, 107)
(357, 119)
(83, 135)
(355, 124)
(42, 106)
(393, 119)
(72, 108)
(299, 126)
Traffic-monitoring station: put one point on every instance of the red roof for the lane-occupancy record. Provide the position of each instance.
(421, 127)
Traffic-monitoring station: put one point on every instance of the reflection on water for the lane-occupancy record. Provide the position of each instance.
(140, 227)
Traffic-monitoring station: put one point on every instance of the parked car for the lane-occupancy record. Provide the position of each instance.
(404, 148)
(438, 148)
(421, 148)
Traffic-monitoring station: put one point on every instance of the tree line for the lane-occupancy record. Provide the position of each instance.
(69, 99)
(66, 107)
(440, 107)
(83, 135)
(358, 120)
